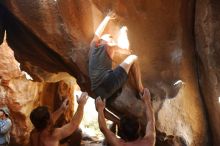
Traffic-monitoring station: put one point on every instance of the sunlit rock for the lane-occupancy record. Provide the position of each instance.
(54, 36)
(22, 95)
(9, 67)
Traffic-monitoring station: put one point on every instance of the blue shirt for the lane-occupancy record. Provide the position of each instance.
(99, 64)
(5, 127)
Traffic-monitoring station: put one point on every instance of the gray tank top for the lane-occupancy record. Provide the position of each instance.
(99, 64)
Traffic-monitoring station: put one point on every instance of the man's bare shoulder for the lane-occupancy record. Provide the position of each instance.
(57, 133)
(33, 133)
(34, 137)
(139, 142)
(50, 138)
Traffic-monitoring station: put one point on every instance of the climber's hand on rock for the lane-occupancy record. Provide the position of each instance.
(111, 14)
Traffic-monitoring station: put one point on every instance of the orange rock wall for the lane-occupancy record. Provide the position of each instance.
(161, 33)
(22, 95)
(207, 32)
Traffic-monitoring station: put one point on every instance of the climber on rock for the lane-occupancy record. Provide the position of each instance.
(129, 127)
(45, 134)
(105, 81)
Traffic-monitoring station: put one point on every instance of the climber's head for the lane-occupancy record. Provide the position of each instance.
(107, 39)
(40, 117)
(129, 129)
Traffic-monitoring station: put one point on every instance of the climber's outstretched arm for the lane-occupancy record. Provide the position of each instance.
(99, 31)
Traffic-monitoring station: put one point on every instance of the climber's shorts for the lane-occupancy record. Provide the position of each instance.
(112, 83)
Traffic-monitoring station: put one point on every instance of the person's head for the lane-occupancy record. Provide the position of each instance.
(4, 112)
(40, 117)
(129, 129)
(107, 39)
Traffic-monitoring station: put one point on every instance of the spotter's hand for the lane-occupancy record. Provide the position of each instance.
(83, 98)
(100, 105)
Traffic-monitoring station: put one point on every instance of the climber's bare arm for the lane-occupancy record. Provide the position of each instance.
(110, 136)
(150, 129)
(99, 31)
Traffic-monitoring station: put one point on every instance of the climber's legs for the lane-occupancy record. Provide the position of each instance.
(131, 64)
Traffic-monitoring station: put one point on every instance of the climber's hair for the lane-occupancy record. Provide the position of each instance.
(40, 117)
(129, 129)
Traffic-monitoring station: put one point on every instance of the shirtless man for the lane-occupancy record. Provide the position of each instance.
(105, 81)
(129, 129)
(44, 133)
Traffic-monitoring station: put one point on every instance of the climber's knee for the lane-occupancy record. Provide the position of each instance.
(127, 63)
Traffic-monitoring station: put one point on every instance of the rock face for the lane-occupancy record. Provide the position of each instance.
(160, 33)
(9, 67)
(22, 95)
(207, 46)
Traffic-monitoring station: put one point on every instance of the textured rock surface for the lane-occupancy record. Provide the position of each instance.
(207, 27)
(9, 67)
(160, 33)
(22, 95)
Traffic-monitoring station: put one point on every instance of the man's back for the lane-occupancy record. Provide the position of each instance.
(147, 141)
(44, 138)
(50, 139)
